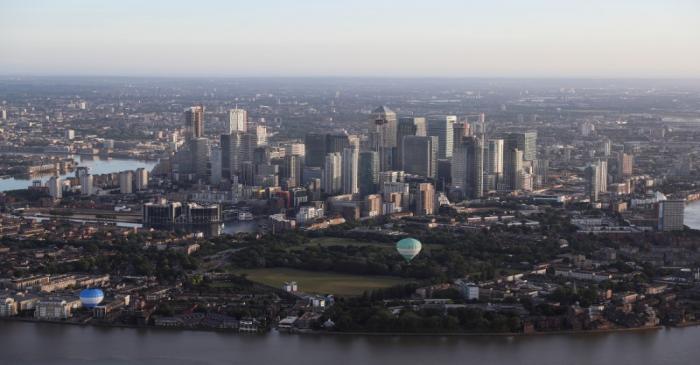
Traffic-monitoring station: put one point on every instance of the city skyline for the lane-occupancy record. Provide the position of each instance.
(595, 39)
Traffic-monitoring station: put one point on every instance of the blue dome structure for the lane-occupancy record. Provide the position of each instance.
(91, 297)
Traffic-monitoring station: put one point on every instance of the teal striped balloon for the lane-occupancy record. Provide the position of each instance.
(408, 248)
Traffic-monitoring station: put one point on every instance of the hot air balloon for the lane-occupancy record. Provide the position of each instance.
(91, 297)
(408, 248)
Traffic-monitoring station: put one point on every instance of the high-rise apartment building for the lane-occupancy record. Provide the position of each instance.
(237, 121)
(350, 164)
(194, 122)
(332, 174)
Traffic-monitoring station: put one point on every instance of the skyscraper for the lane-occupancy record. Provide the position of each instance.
(420, 155)
(332, 173)
(350, 170)
(442, 128)
(318, 145)
(292, 170)
(468, 167)
(369, 172)
(382, 134)
(592, 175)
(493, 163)
(194, 122)
(232, 146)
(625, 165)
(512, 169)
(237, 121)
(524, 141)
(407, 126)
(199, 149)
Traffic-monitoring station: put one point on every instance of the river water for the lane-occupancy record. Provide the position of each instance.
(96, 164)
(35, 343)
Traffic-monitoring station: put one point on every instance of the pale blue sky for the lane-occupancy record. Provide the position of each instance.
(521, 38)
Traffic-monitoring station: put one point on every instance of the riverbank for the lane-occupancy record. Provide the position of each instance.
(371, 334)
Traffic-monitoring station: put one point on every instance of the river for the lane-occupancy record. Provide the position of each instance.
(37, 343)
(692, 215)
(96, 164)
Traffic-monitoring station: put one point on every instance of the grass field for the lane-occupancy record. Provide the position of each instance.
(321, 282)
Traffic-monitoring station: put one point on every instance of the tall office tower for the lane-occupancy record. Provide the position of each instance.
(444, 174)
(603, 183)
(369, 172)
(493, 163)
(215, 158)
(459, 131)
(86, 184)
(232, 146)
(350, 170)
(541, 169)
(442, 128)
(259, 134)
(512, 169)
(199, 149)
(246, 174)
(337, 142)
(420, 155)
(141, 179)
(524, 141)
(407, 126)
(593, 175)
(606, 147)
(126, 182)
(291, 171)
(55, 185)
(237, 121)
(194, 122)
(671, 215)
(625, 164)
(261, 155)
(382, 134)
(3, 114)
(332, 173)
(315, 149)
(424, 196)
(468, 167)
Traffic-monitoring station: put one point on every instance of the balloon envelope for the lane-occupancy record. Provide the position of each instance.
(408, 248)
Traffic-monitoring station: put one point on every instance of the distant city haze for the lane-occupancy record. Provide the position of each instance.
(441, 38)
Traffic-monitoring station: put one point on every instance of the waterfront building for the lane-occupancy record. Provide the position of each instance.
(671, 215)
(126, 182)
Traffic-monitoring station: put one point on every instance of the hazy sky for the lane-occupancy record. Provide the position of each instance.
(522, 38)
